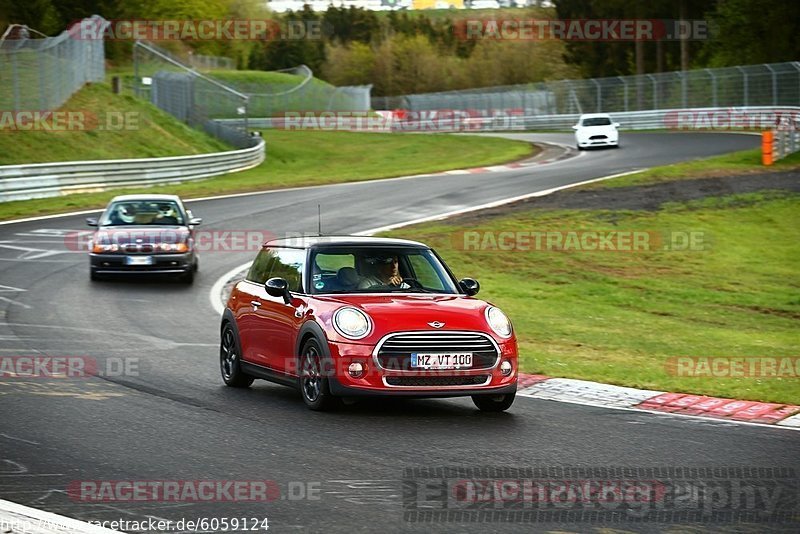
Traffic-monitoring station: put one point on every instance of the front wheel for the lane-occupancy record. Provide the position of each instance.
(313, 383)
(494, 403)
(230, 359)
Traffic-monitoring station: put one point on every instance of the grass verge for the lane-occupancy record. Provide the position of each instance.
(618, 317)
(732, 164)
(300, 158)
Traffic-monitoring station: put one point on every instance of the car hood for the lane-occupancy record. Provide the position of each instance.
(123, 235)
(397, 312)
(597, 130)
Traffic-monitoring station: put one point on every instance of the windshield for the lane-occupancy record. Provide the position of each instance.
(143, 212)
(373, 270)
(597, 121)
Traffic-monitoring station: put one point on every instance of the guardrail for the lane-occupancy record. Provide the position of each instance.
(40, 180)
(741, 118)
(777, 144)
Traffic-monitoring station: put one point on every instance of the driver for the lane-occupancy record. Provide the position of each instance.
(385, 272)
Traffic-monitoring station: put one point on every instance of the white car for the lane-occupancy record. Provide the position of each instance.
(596, 129)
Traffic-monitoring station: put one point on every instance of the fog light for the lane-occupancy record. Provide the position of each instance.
(506, 368)
(356, 370)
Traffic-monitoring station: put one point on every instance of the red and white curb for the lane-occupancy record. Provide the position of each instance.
(18, 519)
(608, 396)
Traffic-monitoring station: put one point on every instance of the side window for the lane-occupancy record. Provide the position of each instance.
(288, 264)
(424, 272)
(259, 271)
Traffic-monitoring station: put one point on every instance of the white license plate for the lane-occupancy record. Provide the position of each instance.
(139, 260)
(421, 360)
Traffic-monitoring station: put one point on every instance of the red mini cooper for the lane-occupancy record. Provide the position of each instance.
(342, 317)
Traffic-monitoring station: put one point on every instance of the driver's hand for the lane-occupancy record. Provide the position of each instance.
(396, 280)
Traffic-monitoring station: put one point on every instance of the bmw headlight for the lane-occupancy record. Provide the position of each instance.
(351, 322)
(498, 321)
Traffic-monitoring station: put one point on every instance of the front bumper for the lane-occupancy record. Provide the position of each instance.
(608, 141)
(161, 263)
(428, 383)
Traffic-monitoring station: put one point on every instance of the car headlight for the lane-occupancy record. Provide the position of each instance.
(351, 323)
(99, 248)
(173, 247)
(498, 321)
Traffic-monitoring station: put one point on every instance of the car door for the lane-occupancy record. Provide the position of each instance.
(249, 296)
(278, 323)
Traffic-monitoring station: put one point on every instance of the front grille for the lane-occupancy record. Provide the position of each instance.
(598, 137)
(434, 381)
(395, 352)
(146, 247)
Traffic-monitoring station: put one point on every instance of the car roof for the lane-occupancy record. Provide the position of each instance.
(342, 240)
(595, 115)
(157, 198)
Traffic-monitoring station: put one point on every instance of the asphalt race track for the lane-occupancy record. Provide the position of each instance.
(171, 418)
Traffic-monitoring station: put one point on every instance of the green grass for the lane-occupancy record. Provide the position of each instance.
(734, 163)
(294, 158)
(154, 133)
(616, 317)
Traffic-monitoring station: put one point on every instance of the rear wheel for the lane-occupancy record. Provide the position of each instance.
(230, 359)
(494, 403)
(313, 383)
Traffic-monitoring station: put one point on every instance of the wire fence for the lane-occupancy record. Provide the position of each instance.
(41, 74)
(776, 84)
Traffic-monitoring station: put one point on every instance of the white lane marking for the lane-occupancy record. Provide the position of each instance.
(493, 204)
(12, 301)
(29, 253)
(19, 439)
(16, 468)
(216, 289)
(11, 510)
(270, 192)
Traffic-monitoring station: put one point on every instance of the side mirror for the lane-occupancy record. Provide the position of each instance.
(469, 286)
(616, 125)
(278, 287)
(575, 127)
(194, 221)
(91, 221)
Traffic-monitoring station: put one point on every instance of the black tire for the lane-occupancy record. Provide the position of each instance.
(494, 403)
(313, 384)
(187, 277)
(229, 359)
